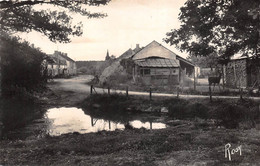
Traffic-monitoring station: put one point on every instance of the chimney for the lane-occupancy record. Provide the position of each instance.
(137, 46)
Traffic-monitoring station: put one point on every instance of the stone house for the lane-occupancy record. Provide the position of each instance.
(59, 64)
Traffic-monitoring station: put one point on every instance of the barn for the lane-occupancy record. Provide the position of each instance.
(156, 65)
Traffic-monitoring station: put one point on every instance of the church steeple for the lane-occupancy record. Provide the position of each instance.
(107, 57)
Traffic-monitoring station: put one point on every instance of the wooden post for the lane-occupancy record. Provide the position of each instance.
(223, 76)
(127, 92)
(108, 90)
(91, 89)
(241, 93)
(150, 94)
(235, 74)
(194, 80)
(240, 89)
(177, 91)
(210, 94)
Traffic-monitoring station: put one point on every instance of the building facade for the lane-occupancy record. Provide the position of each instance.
(157, 65)
(59, 64)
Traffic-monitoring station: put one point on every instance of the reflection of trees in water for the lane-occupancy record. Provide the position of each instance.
(122, 118)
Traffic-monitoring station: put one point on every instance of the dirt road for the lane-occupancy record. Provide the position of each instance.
(74, 90)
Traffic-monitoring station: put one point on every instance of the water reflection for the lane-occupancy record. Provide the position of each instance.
(66, 120)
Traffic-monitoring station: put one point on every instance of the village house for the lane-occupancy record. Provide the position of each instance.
(157, 65)
(242, 73)
(59, 64)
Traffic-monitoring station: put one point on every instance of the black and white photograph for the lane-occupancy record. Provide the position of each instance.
(130, 82)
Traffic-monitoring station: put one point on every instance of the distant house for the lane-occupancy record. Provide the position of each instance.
(157, 65)
(242, 73)
(59, 64)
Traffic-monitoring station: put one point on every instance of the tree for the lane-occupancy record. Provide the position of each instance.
(210, 61)
(20, 15)
(21, 67)
(222, 27)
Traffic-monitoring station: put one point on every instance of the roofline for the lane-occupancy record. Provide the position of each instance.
(68, 58)
(187, 61)
(177, 56)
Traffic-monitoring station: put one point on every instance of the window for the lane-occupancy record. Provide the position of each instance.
(145, 72)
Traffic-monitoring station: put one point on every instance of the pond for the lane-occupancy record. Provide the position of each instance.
(71, 119)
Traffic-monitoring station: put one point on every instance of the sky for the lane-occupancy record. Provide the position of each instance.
(129, 22)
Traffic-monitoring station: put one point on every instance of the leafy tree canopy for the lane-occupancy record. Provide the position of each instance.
(210, 61)
(21, 15)
(223, 27)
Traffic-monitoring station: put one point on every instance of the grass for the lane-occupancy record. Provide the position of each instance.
(179, 146)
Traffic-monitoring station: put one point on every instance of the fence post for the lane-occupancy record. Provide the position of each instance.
(91, 89)
(194, 80)
(210, 94)
(127, 92)
(241, 93)
(177, 92)
(108, 90)
(150, 94)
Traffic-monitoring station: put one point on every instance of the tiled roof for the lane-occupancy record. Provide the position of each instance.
(157, 62)
(154, 49)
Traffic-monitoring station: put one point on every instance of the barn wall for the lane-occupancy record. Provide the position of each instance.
(158, 76)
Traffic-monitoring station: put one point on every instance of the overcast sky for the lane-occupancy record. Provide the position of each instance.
(129, 22)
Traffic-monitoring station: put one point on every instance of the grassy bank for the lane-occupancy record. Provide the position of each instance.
(180, 145)
(228, 113)
(18, 110)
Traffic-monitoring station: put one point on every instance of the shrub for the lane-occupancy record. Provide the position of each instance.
(231, 114)
(109, 107)
(198, 110)
(182, 109)
(177, 108)
(21, 65)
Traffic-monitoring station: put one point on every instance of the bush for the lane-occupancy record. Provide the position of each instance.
(109, 107)
(177, 108)
(182, 109)
(21, 65)
(198, 110)
(230, 115)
